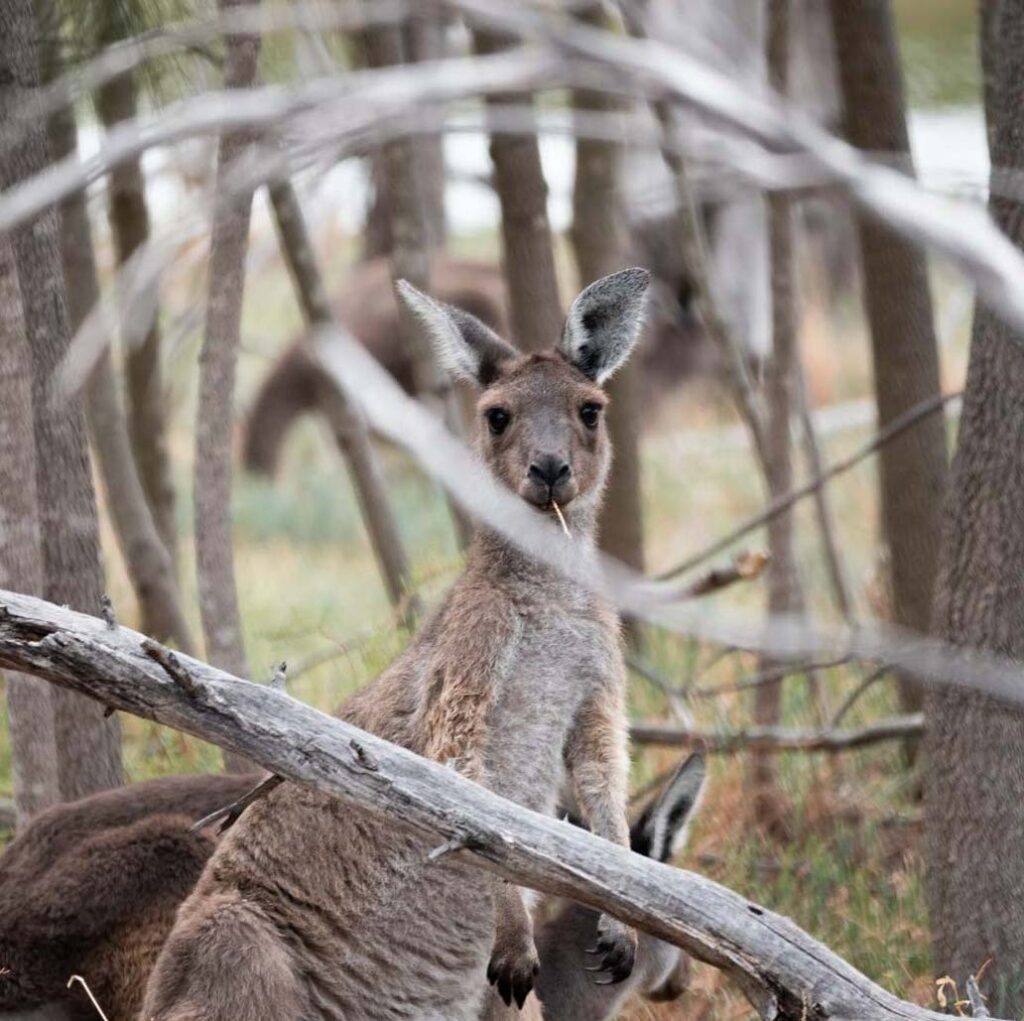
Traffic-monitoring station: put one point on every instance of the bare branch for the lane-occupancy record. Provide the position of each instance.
(780, 739)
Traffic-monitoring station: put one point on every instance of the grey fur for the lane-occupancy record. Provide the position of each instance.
(604, 323)
(466, 348)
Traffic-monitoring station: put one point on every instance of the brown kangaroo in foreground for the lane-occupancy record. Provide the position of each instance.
(90, 888)
(313, 907)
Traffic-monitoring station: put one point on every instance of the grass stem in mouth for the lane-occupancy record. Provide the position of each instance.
(561, 519)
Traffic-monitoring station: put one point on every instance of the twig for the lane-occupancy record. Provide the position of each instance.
(780, 739)
(279, 678)
(88, 992)
(977, 1001)
(674, 695)
(850, 699)
(769, 676)
(456, 843)
(745, 567)
(231, 813)
(897, 427)
(561, 519)
(192, 687)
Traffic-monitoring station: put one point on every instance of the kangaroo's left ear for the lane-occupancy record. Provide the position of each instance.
(604, 323)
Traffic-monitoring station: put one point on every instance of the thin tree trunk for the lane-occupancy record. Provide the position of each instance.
(148, 564)
(785, 595)
(89, 745)
(347, 422)
(411, 249)
(229, 239)
(147, 413)
(535, 309)
(913, 469)
(29, 700)
(974, 783)
(600, 245)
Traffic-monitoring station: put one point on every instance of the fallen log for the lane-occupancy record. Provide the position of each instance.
(785, 973)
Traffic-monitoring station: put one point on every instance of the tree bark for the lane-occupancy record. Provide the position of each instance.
(347, 423)
(411, 248)
(974, 783)
(29, 700)
(89, 746)
(913, 468)
(785, 594)
(218, 357)
(116, 101)
(149, 566)
(600, 244)
(786, 974)
(528, 256)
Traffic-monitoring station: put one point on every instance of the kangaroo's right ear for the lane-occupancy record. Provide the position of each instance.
(466, 348)
(660, 831)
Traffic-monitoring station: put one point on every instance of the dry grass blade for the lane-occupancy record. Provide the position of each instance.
(88, 992)
(561, 519)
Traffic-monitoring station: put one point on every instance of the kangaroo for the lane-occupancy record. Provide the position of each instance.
(311, 907)
(92, 888)
(49, 878)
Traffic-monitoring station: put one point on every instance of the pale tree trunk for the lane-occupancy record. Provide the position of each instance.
(29, 701)
(411, 248)
(89, 745)
(600, 245)
(785, 594)
(147, 414)
(528, 256)
(146, 559)
(913, 468)
(218, 357)
(974, 783)
(347, 422)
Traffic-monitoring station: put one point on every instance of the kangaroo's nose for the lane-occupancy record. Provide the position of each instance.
(550, 470)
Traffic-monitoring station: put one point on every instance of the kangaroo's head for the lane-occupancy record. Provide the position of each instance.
(541, 425)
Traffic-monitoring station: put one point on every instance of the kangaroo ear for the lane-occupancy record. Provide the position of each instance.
(660, 831)
(604, 323)
(466, 348)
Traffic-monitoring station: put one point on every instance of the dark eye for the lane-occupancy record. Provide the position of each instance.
(497, 419)
(589, 414)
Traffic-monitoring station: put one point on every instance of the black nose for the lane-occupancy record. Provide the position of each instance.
(550, 471)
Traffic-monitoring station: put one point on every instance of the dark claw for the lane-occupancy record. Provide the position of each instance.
(505, 989)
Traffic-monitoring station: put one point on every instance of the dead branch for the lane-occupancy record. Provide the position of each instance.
(745, 566)
(782, 503)
(780, 739)
(231, 813)
(786, 973)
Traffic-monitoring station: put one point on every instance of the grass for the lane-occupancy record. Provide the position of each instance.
(851, 870)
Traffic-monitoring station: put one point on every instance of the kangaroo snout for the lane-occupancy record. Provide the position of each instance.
(550, 478)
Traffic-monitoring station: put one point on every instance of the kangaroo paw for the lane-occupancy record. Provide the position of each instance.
(512, 971)
(616, 946)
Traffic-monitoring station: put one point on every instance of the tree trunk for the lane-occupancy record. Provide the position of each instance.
(535, 309)
(600, 245)
(347, 422)
(912, 468)
(974, 784)
(785, 594)
(148, 564)
(229, 240)
(89, 746)
(29, 700)
(411, 248)
(147, 413)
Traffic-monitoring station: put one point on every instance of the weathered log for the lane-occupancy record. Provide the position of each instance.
(785, 972)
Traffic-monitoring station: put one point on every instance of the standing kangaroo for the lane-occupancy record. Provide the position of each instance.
(312, 907)
(90, 888)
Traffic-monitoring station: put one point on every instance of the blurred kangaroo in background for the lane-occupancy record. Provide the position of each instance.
(311, 907)
(671, 348)
(90, 888)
